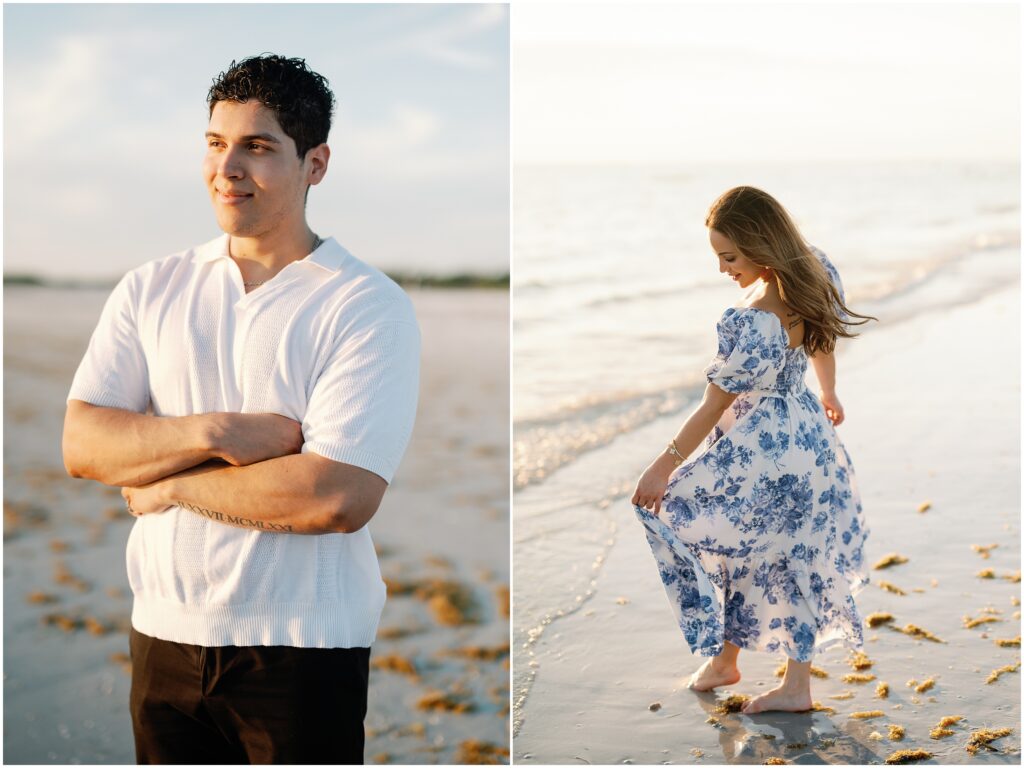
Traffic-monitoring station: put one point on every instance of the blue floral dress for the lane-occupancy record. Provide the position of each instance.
(760, 538)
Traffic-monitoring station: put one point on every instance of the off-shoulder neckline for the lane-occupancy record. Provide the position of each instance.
(778, 319)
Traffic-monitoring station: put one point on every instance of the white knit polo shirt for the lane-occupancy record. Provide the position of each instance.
(328, 341)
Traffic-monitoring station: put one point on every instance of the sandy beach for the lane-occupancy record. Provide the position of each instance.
(932, 401)
(439, 687)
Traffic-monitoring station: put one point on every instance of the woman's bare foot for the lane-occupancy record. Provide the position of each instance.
(779, 699)
(712, 674)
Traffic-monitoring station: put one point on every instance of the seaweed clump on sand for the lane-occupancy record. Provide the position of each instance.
(927, 685)
(19, 515)
(888, 586)
(867, 715)
(1014, 577)
(62, 575)
(877, 619)
(451, 602)
(1006, 642)
(942, 729)
(732, 703)
(983, 737)
(857, 677)
(986, 573)
(42, 598)
(995, 674)
(817, 706)
(859, 661)
(774, 761)
(882, 690)
(94, 626)
(62, 621)
(983, 549)
(843, 696)
(437, 701)
(896, 732)
(915, 631)
(479, 652)
(890, 560)
(123, 660)
(907, 756)
(780, 671)
(474, 752)
(395, 663)
(970, 623)
(72, 623)
(396, 633)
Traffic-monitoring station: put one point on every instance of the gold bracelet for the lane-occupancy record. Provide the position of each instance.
(675, 452)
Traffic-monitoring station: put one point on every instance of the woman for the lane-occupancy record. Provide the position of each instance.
(759, 538)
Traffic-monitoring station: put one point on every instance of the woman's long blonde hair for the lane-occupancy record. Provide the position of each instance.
(765, 234)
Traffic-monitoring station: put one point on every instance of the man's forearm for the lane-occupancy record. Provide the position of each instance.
(302, 493)
(120, 447)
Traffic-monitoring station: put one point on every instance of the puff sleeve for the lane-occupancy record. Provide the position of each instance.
(833, 275)
(751, 351)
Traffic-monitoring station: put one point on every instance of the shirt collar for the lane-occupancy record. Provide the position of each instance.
(329, 255)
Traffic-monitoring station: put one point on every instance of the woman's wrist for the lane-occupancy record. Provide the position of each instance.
(666, 462)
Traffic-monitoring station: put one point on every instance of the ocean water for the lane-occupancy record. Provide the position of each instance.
(616, 293)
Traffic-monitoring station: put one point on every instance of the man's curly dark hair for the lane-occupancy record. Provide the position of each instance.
(300, 98)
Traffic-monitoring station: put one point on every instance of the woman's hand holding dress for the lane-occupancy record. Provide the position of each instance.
(650, 488)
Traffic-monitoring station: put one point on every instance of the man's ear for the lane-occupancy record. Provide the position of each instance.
(317, 159)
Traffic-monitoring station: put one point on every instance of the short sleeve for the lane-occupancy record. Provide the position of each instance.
(114, 373)
(363, 404)
(751, 351)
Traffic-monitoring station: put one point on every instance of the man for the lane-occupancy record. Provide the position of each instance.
(281, 374)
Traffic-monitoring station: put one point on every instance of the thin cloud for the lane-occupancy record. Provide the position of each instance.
(453, 40)
(54, 93)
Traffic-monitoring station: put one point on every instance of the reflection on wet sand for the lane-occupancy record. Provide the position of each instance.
(804, 737)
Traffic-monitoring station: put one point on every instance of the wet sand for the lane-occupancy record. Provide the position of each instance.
(932, 418)
(439, 676)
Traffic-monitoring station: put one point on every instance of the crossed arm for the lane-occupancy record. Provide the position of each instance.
(239, 469)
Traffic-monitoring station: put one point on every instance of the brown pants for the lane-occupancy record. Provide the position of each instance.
(257, 704)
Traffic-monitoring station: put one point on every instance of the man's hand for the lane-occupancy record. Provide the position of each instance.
(146, 500)
(248, 438)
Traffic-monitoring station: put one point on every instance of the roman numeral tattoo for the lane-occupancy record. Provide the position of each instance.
(241, 522)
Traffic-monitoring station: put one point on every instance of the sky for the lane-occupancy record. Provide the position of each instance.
(732, 83)
(105, 110)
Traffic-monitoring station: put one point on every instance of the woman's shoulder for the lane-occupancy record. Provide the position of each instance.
(749, 319)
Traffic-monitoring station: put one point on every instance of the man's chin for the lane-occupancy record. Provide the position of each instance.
(237, 228)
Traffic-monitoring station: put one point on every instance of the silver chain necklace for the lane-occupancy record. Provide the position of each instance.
(317, 242)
